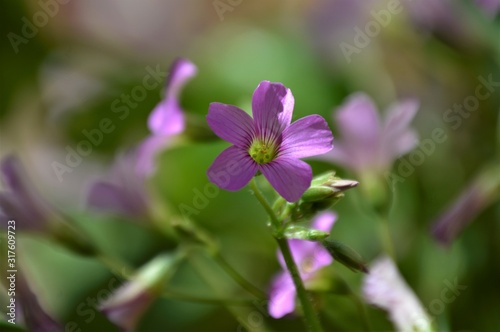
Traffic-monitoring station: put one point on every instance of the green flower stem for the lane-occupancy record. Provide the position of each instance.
(117, 267)
(274, 220)
(213, 280)
(385, 237)
(238, 277)
(311, 319)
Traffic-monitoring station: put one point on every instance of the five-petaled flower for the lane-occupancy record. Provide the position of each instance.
(269, 143)
(368, 146)
(309, 257)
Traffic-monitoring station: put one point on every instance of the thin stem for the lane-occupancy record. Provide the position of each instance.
(218, 301)
(385, 237)
(238, 277)
(116, 266)
(274, 220)
(311, 319)
(213, 281)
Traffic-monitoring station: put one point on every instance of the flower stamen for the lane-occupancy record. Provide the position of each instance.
(262, 152)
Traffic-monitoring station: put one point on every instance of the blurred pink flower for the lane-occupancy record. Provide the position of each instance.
(167, 118)
(385, 288)
(479, 194)
(123, 191)
(309, 257)
(366, 145)
(31, 313)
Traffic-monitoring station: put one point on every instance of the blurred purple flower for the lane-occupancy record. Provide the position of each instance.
(478, 195)
(22, 202)
(33, 315)
(385, 288)
(367, 145)
(167, 118)
(309, 257)
(267, 143)
(126, 306)
(124, 193)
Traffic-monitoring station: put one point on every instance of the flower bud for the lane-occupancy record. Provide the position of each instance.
(325, 191)
(327, 186)
(126, 306)
(345, 255)
(304, 233)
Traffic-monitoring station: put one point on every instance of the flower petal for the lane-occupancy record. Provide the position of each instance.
(147, 152)
(232, 169)
(272, 108)
(470, 202)
(386, 288)
(307, 137)
(289, 176)
(167, 118)
(397, 137)
(34, 316)
(358, 123)
(113, 198)
(231, 124)
(324, 221)
(282, 296)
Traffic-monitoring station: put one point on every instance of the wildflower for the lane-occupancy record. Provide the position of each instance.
(125, 191)
(309, 257)
(268, 143)
(385, 288)
(35, 318)
(126, 306)
(479, 194)
(167, 118)
(368, 146)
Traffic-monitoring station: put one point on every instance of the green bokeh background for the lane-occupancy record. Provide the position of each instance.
(293, 42)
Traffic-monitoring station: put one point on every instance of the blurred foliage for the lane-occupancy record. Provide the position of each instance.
(287, 43)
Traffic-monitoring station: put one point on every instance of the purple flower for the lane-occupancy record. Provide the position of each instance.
(385, 288)
(125, 191)
(31, 312)
(367, 145)
(267, 143)
(478, 195)
(22, 202)
(167, 118)
(309, 257)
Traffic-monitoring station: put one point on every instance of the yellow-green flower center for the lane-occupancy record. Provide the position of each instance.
(262, 152)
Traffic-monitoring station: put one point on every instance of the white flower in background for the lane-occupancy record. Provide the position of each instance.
(385, 288)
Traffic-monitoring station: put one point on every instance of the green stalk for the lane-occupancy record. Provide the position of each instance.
(311, 319)
(238, 278)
